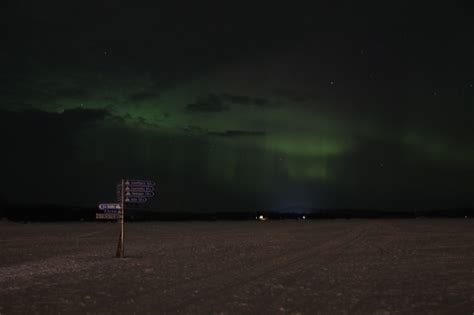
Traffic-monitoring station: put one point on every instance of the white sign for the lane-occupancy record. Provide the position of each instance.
(139, 188)
(135, 200)
(140, 182)
(110, 206)
(139, 194)
(107, 216)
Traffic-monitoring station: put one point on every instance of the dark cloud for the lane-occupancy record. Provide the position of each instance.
(69, 118)
(237, 134)
(46, 131)
(216, 103)
(121, 119)
(22, 92)
(194, 129)
(39, 142)
(79, 116)
(143, 122)
(15, 104)
(44, 152)
(209, 103)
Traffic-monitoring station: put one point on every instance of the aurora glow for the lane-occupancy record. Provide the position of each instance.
(330, 125)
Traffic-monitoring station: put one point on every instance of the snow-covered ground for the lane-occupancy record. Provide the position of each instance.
(272, 267)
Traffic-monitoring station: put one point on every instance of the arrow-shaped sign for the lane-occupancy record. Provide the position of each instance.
(139, 188)
(107, 216)
(106, 206)
(111, 211)
(139, 194)
(140, 182)
(135, 200)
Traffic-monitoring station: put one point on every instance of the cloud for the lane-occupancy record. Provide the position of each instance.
(194, 129)
(36, 123)
(237, 134)
(141, 121)
(79, 116)
(221, 102)
(39, 140)
(209, 103)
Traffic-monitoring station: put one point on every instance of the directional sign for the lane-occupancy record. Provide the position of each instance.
(135, 200)
(112, 211)
(107, 216)
(139, 188)
(110, 206)
(139, 194)
(136, 182)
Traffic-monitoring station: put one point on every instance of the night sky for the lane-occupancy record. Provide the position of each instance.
(234, 107)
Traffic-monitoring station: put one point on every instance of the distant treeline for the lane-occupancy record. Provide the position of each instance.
(68, 213)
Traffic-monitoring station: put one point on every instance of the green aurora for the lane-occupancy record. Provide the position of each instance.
(253, 108)
(251, 148)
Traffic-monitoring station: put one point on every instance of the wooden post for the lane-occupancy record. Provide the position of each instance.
(120, 245)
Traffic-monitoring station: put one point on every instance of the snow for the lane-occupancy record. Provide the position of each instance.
(283, 267)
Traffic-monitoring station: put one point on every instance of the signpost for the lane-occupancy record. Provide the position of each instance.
(120, 246)
(107, 216)
(140, 188)
(111, 211)
(135, 200)
(139, 194)
(139, 182)
(110, 206)
(129, 191)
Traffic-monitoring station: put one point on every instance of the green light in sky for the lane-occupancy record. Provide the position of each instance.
(308, 146)
(438, 149)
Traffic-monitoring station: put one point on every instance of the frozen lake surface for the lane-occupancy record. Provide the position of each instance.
(273, 267)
